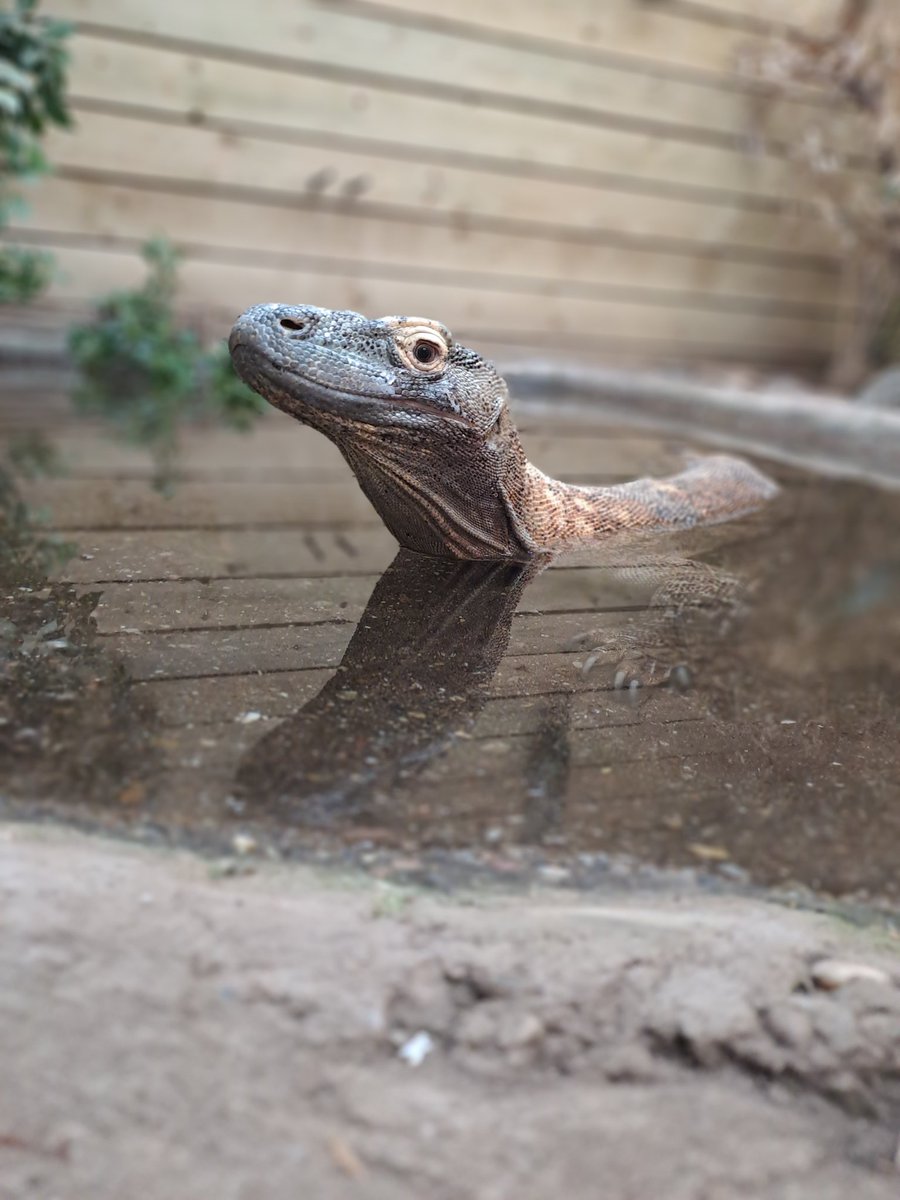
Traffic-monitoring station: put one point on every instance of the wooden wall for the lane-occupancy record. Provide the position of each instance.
(570, 177)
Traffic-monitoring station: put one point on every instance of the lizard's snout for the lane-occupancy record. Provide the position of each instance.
(265, 325)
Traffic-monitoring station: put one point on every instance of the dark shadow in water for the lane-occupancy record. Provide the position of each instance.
(546, 773)
(414, 676)
(71, 727)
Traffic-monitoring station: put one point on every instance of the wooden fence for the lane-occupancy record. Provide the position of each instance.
(558, 177)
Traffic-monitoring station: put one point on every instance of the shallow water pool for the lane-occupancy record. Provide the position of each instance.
(251, 666)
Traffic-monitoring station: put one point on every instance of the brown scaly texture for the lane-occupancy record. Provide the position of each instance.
(425, 426)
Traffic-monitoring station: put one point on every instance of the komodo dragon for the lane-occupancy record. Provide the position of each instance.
(425, 427)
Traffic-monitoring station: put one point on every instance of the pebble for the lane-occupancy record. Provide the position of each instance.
(243, 843)
(551, 873)
(416, 1049)
(832, 973)
(709, 853)
(520, 1029)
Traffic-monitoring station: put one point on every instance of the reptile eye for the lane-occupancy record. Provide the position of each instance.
(424, 346)
(425, 353)
(290, 323)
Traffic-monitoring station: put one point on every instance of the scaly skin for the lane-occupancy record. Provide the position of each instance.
(425, 426)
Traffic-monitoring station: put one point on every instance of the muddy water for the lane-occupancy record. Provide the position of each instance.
(724, 699)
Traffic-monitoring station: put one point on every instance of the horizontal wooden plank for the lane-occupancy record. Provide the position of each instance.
(288, 553)
(446, 814)
(434, 803)
(84, 504)
(510, 349)
(661, 34)
(445, 811)
(332, 502)
(192, 604)
(516, 677)
(172, 154)
(234, 603)
(192, 554)
(224, 699)
(219, 748)
(338, 242)
(433, 130)
(560, 322)
(304, 36)
(812, 15)
(188, 653)
(264, 452)
(23, 417)
(280, 449)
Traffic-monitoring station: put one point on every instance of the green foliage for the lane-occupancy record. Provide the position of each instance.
(28, 553)
(33, 62)
(238, 406)
(148, 375)
(23, 274)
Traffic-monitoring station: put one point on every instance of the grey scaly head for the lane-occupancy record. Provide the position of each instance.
(425, 426)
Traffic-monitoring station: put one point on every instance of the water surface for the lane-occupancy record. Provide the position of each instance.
(724, 698)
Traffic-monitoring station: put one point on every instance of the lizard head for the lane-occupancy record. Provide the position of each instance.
(422, 421)
(332, 369)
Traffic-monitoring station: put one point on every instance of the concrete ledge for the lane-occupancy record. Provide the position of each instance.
(828, 434)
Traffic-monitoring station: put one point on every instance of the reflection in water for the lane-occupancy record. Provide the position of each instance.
(71, 728)
(413, 676)
(546, 773)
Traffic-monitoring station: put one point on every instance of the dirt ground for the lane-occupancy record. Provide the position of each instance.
(172, 1032)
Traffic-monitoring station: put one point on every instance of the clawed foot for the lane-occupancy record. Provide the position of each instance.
(637, 671)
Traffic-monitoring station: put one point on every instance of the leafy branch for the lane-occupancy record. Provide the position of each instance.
(28, 551)
(857, 66)
(33, 64)
(148, 375)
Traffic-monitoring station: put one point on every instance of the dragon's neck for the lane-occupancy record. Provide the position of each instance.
(556, 515)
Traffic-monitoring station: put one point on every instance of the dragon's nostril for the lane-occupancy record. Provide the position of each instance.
(290, 323)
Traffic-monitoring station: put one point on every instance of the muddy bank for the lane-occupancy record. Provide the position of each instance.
(171, 1033)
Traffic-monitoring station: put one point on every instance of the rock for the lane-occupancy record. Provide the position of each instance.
(832, 973)
(520, 1029)
(416, 1049)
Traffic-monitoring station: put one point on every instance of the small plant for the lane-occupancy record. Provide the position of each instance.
(148, 375)
(856, 189)
(28, 552)
(33, 62)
